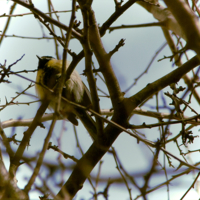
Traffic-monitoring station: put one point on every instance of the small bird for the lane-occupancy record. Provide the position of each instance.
(48, 74)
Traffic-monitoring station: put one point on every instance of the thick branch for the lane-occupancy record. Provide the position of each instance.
(188, 21)
(104, 63)
(15, 161)
(163, 15)
(89, 72)
(161, 83)
(8, 187)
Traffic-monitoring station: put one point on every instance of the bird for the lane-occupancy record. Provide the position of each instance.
(48, 74)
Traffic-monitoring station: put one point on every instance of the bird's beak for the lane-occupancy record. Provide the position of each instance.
(39, 57)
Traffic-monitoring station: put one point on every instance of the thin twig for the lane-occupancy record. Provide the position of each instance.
(41, 157)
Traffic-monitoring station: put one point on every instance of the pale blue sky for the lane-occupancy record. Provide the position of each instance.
(140, 46)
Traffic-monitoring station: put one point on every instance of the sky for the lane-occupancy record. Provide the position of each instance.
(128, 63)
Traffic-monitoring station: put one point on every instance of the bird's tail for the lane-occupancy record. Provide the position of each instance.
(88, 122)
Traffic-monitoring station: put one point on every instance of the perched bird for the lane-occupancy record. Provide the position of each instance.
(48, 74)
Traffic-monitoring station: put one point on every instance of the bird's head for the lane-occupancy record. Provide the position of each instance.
(43, 60)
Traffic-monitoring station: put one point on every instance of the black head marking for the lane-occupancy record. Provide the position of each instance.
(43, 60)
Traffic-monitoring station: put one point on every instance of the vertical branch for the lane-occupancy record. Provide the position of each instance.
(8, 22)
(52, 27)
(150, 173)
(6, 142)
(100, 147)
(15, 160)
(118, 166)
(89, 72)
(64, 62)
(41, 157)
(61, 31)
(103, 59)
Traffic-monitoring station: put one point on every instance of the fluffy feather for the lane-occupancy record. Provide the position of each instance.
(49, 72)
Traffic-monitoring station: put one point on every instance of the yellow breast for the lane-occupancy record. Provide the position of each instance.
(38, 88)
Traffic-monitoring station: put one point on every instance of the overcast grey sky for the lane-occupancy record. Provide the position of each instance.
(129, 62)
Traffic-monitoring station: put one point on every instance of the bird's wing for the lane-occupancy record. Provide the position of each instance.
(87, 99)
